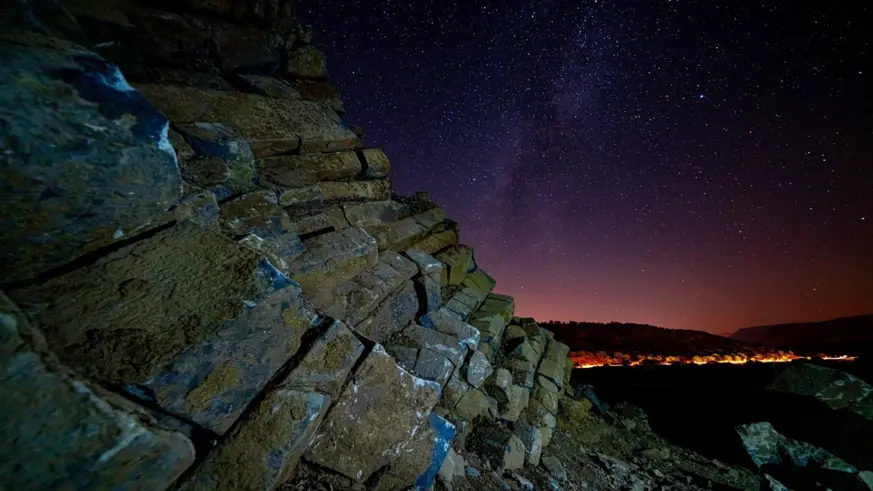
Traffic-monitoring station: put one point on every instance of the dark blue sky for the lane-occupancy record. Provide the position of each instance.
(703, 165)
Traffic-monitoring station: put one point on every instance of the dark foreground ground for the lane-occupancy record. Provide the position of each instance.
(698, 407)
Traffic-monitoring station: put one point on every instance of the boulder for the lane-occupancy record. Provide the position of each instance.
(766, 446)
(478, 368)
(523, 351)
(514, 454)
(335, 192)
(431, 365)
(479, 283)
(331, 259)
(60, 431)
(549, 400)
(262, 451)
(502, 305)
(426, 263)
(374, 420)
(532, 440)
(444, 320)
(175, 319)
(87, 160)
(299, 171)
(523, 372)
(392, 315)
(271, 126)
(473, 404)
(556, 351)
(306, 62)
(376, 163)
(499, 385)
(552, 370)
(519, 398)
(491, 328)
(328, 362)
(220, 157)
(839, 390)
(445, 344)
(435, 242)
(458, 260)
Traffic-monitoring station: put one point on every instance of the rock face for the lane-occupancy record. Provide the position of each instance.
(211, 260)
(86, 161)
(190, 356)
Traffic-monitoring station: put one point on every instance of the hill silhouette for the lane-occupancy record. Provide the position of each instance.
(644, 339)
(848, 335)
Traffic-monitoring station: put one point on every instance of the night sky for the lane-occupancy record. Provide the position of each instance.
(704, 165)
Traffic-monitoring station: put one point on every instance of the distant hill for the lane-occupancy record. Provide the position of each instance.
(643, 339)
(847, 335)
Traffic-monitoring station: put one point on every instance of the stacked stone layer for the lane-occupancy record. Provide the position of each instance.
(206, 277)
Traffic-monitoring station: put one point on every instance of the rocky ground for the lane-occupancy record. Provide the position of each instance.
(589, 451)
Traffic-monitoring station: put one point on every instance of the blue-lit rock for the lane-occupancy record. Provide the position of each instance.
(445, 433)
(61, 432)
(225, 152)
(446, 321)
(262, 451)
(196, 322)
(85, 159)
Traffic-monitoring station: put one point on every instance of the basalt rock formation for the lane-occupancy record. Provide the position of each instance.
(207, 282)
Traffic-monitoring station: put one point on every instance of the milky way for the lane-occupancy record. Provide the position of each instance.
(703, 165)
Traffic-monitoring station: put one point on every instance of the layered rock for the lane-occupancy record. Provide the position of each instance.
(202, 254)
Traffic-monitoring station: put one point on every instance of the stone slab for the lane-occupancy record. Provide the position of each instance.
(435, 243)
(272, 126)
(46, 410)
(263, 450)
(298, 171)
(323, 193)
(442, 343)
(331, 259)
(328, 362)
(392, 315)
(444, 320)
(186, 319)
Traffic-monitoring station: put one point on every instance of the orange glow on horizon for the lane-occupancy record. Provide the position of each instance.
(585, 359)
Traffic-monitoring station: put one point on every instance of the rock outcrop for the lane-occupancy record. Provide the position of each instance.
(207, 283)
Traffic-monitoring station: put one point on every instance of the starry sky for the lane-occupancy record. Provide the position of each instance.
(689, 164)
